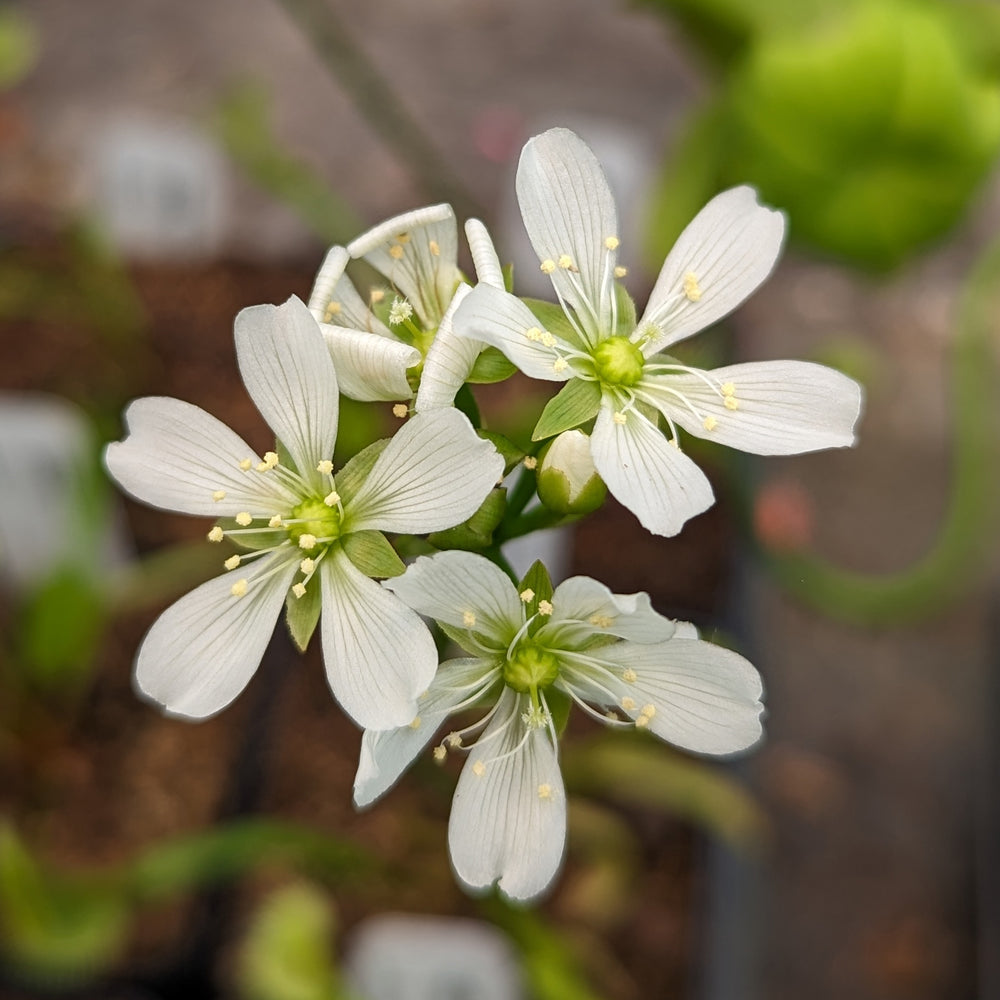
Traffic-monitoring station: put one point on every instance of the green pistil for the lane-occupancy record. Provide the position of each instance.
(314, 517)
(530, 668)
(617, 361)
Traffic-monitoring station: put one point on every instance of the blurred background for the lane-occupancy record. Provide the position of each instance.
(166, 164)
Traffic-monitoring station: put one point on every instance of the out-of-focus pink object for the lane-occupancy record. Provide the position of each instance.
(784, 516)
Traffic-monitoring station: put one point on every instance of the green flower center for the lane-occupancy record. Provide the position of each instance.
(316, 521)
(618, 361)
(530, 667)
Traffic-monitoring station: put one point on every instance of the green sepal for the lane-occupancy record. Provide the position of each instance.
(538, 581)
(302, 614)
(371, 553)
(626, 311)
(352, 476)
(285, 457)
(508, 277)
(258, 540)
(559, 704)
(554, 319)
(491, 366)
(510, 453)
(476, 533)
(459, 636)
(576, 403)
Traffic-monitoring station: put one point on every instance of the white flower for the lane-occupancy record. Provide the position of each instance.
(612, 363)
(508, 820)
(417, 253)
(306, 527)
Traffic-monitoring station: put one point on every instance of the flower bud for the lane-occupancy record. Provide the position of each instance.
(568, 483)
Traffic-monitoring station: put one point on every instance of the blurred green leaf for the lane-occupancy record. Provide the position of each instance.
(242, 122)
(287, 952)
(476, 533)
(639, 771)
(55, 928)
(18, 46)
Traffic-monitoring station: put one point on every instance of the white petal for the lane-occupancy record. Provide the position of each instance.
(647, 474)
(629, 616)
(449, 361)
(176, 456)
(484, 255)
(386, 754)
(495, 317)
(729, 248)
(782, 407)
(379, 655)
(288, 372)
(450, 585)
(433, 474)
(568, 210)
(368, 367)
(418, 253)
(706, 698)
(509, 822)
(335, 300)
(202, 651)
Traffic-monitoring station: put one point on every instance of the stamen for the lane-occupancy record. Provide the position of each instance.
(560, 365)
(454, 740)
(432, 245)
(566, 262)
(403, 238)
(219, 495)
(601, 621)
(612, 242)
(710, 423)
(527, 595)
(396, 252)
(332, 499)
(400, 410)
(547, 266)
(307, 565)
(545, 791)
(246, 464)
(415, 724)
(232, 562)
(629, 704)
(533, 333)
(440, 753)
(244, 519)
(239, 588)
(307, 541)
(270, 461)
(216, 534)
(620, 418)
(332, 309)
(275, 522)
(478, 768)
(547, 339)
(376, 295)
(544, 608)
(620, 272)
(530, 462)
(325, 467)
(468, 619)
(629, 675)
(691, 287)
(731, 403)
(299, 590)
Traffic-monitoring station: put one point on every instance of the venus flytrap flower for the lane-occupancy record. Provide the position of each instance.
(313, 532)
(532, 650)
(612, 364)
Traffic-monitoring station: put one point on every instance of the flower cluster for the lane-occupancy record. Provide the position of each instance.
(321, 540)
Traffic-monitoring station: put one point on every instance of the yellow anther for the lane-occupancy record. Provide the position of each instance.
(547, 339)
(620, 272)
(642, 722)
(396, 251)
(299, 590)
(612, 242)
(415, 724)
(276, 522)
(612, 716)
(479, 769)
(527, 595)
(649, 711)
(440, 753)
(246, 464)
(629, 675)
(565, 261)
(620, 418)
(544, 608)
(547, 266)
(332, 499)
(728, 389)
(691, 287)
(326, 467)
(454, 740)
(533, 333)
(307, 541)
(399, 312)
(434, 248)
(731, 403)
(332, 309)
(239, 588)
(216, 534)
(710, 423)
(530, 462)
(601, 621)
(244, 518)
(400, 411)
(376, 295)
(545, 791)
(232, 562)
(468, 619)
(219, 495)
(560, 365)
(270, 459)
(307, 565)
(403, 238)
(629, 704)
(675, 443)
